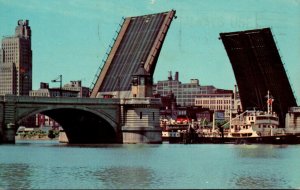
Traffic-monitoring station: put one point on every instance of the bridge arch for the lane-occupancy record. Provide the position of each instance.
(81, 124)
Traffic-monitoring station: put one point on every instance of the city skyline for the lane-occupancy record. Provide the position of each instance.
(72, 37)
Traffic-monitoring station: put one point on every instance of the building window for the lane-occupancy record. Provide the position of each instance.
(142, 81)
(141, 115)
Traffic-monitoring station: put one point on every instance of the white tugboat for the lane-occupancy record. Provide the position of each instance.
(252, 127)
(256, 123)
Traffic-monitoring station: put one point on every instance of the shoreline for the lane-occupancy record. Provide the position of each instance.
(36, 137)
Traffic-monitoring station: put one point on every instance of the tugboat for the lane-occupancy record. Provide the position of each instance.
(252, 127)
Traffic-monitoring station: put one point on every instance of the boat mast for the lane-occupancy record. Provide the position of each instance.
(213, 127)
(269, 103)
(230, 117)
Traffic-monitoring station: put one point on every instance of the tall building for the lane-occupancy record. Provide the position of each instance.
(216, 102)
(185, 93)
(221, 100)
(16, 61)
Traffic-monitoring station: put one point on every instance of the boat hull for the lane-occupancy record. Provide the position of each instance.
(282, 139)
(277, 139)
(172, 140)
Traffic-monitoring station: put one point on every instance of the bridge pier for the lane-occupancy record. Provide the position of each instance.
(141, 123)
(7, 134)
(7, 119)
(146, 135)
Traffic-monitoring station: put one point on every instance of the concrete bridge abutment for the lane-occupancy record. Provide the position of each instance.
(141, 124)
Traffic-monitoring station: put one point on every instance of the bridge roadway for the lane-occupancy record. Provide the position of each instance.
(86, 120)
(79, 117)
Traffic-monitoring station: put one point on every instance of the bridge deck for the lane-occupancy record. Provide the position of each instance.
(139, 40)
(257, 67)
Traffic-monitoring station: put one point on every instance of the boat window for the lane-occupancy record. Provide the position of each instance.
(246, 134)
(235, 134)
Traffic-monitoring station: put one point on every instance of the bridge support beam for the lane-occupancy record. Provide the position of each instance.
(7, 119)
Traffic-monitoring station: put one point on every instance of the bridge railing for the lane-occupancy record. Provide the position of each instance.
(140, 101)
(74, 100)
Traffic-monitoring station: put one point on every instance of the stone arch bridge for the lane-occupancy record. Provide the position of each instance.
(84, 120)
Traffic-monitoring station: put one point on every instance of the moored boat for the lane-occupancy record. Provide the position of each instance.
(253, 126)
(172, 131)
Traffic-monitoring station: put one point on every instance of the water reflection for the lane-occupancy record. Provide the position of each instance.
(259, 182)
(258, 151)
(51, 165)
(110, 146)
(15, 176)
(125, 177)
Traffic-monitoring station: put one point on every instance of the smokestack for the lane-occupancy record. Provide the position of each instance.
(235, 92)
(176, 75)
(170, 75)
(44, 85)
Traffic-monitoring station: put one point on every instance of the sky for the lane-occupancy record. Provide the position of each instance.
(71, 37)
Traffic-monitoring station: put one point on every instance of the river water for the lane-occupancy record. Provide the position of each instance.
(51, 165)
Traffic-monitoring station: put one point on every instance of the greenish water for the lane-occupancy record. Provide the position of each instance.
(50, 165)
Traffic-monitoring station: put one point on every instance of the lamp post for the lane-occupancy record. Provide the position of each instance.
(59, 79)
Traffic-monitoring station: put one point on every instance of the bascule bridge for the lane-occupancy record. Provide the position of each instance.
(258, 68)
(121, 108)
